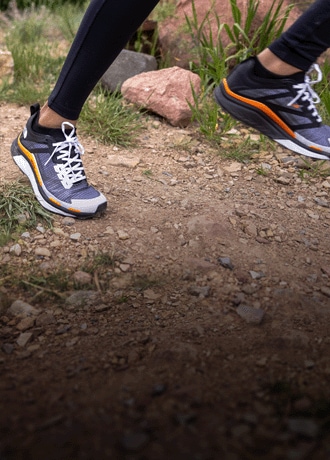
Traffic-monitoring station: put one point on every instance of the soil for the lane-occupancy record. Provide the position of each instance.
(206, 336)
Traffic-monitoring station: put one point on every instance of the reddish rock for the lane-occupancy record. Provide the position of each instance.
(165, 92)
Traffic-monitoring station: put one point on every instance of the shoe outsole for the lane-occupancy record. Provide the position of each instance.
(256, 118)
(26, 168)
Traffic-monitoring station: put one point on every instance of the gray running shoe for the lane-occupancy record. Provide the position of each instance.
(281, 108)
(53, 164)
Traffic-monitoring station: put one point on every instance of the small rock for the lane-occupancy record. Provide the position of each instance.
(16, 249)
(24, 338)
(124, 267)
(82, 298)
(42, 252)
(256, 275)
(283, 180)
(75, 236)
(325, 290)
(226, 262)
(122, 235)
(149, 294)
(45, 319)
(123, 160)
(40, 229)
(22, 308)
(250, 315)
(25, 323)
(233, 167)
(201, 291)
(68, 221)
(81, 277)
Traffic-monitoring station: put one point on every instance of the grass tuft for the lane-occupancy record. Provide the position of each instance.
(19, 210)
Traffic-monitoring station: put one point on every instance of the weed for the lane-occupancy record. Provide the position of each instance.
(19, 209)
(143, 282)
(215, 58)
(314, 168)
(237, 149)
(261, 171)
(106, 118)
(147, 172)
(102, 260)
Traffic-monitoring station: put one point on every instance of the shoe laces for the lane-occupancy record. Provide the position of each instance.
(307, 93)
(69, 167)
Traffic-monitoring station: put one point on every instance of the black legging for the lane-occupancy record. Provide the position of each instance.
(307, 38)
(105, 29)
(108, 25)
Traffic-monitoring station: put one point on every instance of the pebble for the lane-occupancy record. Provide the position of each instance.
(82, 298)
(250, 314)
(42, 252)
(283, 180)
(226, 262)
(75, 236)
(325, 290)
(122, 235)
(45, 319)
(18, 307)
(256, 275)
(25, 323)
(81, 277)
(24, 338)
(68, 221)
(16, 249)
(201, 291)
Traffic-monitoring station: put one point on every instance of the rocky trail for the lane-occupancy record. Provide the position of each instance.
(202, 333)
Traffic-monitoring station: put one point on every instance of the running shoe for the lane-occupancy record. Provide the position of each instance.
(281, 108)
(53, 164)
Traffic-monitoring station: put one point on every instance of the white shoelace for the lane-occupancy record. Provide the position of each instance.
(306, 92)
(70, 170)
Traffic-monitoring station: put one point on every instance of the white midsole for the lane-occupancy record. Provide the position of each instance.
(25, 167)
(299, 149)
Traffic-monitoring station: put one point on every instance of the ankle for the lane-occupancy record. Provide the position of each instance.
(50, 119)
(275, 65)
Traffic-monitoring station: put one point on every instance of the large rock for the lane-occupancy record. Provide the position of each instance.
(166, 92)
(127, 65)
(177, 44)
(6, 66)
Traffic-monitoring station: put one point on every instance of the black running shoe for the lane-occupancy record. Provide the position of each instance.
(53, 164)
(281, 108)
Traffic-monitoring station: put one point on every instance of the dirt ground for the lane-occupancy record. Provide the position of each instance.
(207, 338)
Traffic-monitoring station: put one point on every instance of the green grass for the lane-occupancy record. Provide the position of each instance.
(19, 210)
(109, 119)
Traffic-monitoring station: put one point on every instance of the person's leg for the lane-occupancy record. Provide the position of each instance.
(272, 92)
(47, 150)
(302, 44)
(105, 29)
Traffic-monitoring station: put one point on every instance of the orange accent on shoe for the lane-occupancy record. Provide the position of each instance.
(31, 159)
(261, 107)
(54, 201)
